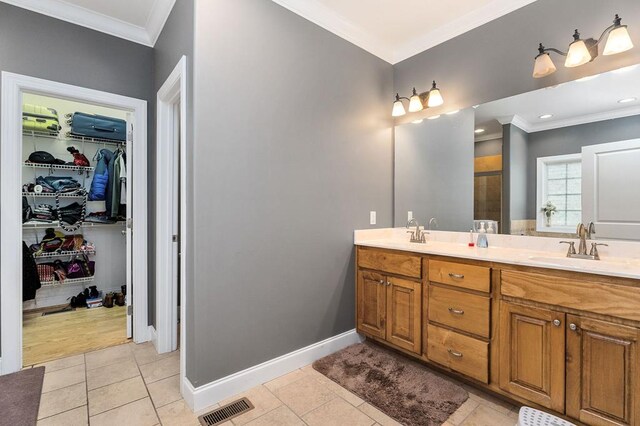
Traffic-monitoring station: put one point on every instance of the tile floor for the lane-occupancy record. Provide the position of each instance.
(132, 385)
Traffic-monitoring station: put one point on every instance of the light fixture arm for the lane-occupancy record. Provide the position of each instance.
(542, 50)
(617, 22)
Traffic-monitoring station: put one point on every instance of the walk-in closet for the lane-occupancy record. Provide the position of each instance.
(74, 197)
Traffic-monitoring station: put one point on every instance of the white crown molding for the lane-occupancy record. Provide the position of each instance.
(157, 18)
(461, 25)
(489, 137)
(584, 119)
(316, 12)
(68, 12)
(319, 14)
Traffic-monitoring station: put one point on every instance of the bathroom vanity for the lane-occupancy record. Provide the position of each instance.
(518, 318)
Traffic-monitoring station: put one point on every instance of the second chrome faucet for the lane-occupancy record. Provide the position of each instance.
(584, 234)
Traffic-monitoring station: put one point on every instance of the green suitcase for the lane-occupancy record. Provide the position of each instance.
(40, 119)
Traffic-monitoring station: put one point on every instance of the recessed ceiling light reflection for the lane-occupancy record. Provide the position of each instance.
(417, 121)
(478, 131)
(625, 69)
(545, 116)
(433, 117)
(453, 112)
(627, 100)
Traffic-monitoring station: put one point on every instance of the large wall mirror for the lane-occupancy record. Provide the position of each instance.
(533, 164)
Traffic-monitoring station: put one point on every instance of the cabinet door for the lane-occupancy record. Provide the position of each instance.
(371, 303)
(404, 313)
(532, 354)
(602, 372)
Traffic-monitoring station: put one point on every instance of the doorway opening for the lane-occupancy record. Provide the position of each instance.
(67, 195)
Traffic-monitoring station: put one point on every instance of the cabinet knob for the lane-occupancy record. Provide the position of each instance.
(382, 282)
(389, 283)
(573, 327)
(557, 322)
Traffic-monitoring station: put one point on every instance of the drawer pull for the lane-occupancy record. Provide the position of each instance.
(456, 311)
(456, 276)
(454, 353)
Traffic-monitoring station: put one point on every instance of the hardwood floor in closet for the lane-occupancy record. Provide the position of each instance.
(45, 338)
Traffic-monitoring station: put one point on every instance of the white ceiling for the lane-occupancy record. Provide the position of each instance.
(140, 21)
(572, 103)
(396, 30)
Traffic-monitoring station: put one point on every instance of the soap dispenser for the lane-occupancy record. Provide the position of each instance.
(482, 241)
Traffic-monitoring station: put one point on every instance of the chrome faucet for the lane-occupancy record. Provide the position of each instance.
(417, 236)
(433, 223)
(584, 234)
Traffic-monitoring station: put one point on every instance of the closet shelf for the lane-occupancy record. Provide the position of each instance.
(64, 254)
(53, 195)
(71, 138)
(45, 225)
(68, 281)
(59, 167)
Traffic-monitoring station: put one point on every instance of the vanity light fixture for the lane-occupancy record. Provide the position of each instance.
(418, 101)
(478, 131)
(582, 51)
(545, 116)
(627, 100)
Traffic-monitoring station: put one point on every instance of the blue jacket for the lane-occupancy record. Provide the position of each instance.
(100, 181)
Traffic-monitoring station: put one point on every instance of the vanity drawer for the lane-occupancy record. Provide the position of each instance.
(464, 311)
(585, 295)
(460, 275)
(394, 263)
(460, 353)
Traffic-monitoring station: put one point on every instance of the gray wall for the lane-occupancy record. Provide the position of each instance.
(434, 171)
(488, 147)
(292, 149)
(175, 41)
(495, 61)
(39, 46)
(570, 140)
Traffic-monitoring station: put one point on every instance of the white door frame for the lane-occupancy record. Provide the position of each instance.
(172, 93)
(13, 86)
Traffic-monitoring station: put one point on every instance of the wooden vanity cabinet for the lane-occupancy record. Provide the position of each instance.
(603, 372)
(532, 354)
(390, 307)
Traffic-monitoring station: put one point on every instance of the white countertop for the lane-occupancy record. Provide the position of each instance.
(620, 259)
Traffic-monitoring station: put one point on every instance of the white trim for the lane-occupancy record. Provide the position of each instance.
(541, 193)
(87, 18)
(157, 18)
(153, 336)
(318, 13)
(584, 119)
(13, 85)
(173, 91)
(211, 393)
(461, 25)
(568, 122)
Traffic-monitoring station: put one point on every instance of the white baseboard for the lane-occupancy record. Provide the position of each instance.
(153, 335)
(212, 393)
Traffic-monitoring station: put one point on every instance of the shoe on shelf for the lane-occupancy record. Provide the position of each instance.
(119, 299)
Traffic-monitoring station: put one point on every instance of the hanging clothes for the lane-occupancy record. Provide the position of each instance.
(30, 277)
(100, 175)
(117, 167)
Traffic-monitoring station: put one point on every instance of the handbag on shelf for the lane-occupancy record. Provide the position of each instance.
(45, 271)
(43, 157)
(79, 159)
